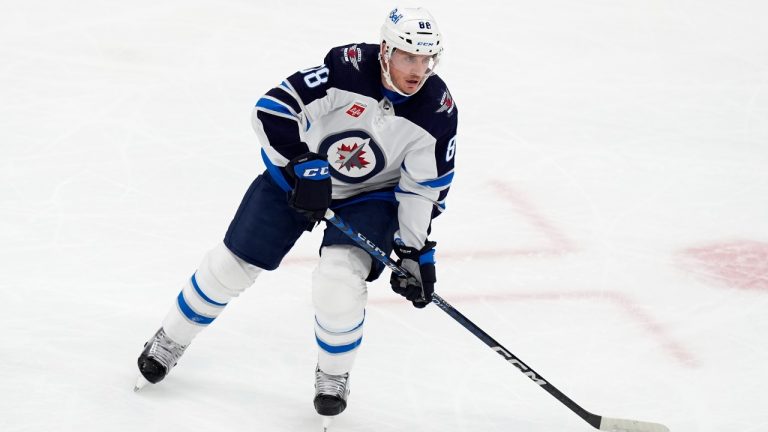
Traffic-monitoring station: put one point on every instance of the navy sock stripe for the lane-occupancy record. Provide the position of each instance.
(338, 349)
(202, 295)
(340, 332)
(190, 313)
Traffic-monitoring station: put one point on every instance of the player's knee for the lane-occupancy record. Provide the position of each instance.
(338, 283)
(223, 274)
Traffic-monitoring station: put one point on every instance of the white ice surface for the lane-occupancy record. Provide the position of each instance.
(598, 141)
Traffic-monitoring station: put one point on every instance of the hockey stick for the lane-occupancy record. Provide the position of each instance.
(598, 422)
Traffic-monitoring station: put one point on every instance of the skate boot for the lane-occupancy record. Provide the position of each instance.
(160, 355)
(331, 393)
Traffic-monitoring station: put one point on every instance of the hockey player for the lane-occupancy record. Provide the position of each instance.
(371, 134)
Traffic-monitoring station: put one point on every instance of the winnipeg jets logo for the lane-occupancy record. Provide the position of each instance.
(353, 155)
(353, 55)
(446, 103)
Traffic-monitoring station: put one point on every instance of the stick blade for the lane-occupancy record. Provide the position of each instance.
(621, 425)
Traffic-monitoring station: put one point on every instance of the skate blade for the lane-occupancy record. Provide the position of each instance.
(327, 420)
(140, 383)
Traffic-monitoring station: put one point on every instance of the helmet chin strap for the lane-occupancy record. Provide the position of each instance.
(385, 65)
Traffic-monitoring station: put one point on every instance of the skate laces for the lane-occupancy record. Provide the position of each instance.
(163, 349)
(334, 385)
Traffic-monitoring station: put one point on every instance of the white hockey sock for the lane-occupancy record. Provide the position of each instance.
(338, 347)
(339, 294)
(192, 312)
(219, 278)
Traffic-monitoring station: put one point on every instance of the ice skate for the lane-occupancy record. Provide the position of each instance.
(140, 383)
(160, 354)
(331, 393)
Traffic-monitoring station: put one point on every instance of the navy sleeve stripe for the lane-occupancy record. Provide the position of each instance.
(440, 203)
(283, 134)
(271, 106)
(285, 97)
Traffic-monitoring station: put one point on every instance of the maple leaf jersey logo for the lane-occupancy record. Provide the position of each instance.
(351, 157)
(353, 55)
(446, 103)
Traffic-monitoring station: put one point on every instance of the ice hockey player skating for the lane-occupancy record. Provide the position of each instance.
(371, 134)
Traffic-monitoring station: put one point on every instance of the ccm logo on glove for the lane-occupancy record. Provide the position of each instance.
(312, 170)
(419, 286)
(315, 172)
(311, 194)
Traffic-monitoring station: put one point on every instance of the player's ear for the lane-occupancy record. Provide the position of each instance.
(383, 54)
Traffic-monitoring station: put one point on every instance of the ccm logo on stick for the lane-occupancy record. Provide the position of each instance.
(373, 247)
(518, 364)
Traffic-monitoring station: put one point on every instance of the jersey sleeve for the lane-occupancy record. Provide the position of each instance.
(280, 117)
(425, 178)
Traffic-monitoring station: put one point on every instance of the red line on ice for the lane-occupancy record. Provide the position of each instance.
(560, 243)
(629, 308)
(739, 264)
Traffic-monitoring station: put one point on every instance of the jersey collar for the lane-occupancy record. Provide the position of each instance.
(393, 97)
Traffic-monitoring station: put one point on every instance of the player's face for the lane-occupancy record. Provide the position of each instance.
(409, 70)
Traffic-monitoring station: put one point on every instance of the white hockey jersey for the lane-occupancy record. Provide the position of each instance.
(376, 141)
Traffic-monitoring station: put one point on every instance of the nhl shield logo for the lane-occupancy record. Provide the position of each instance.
(353, 55)
(353, 156)
(446, 103)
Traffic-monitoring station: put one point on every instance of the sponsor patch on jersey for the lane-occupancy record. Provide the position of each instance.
(352, 55)
(356, 110)
(446, 103)
(353, 155)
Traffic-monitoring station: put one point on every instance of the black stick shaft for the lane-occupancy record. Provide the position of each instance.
(380, 255)
(590, 418)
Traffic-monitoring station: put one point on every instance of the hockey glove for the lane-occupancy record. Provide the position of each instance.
(421, 265)
(311, 194)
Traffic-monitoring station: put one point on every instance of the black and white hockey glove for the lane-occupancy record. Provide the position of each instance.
(311, 194)
(421, 264)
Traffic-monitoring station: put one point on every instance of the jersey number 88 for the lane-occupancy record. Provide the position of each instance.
(316, 76)
(451, 149)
